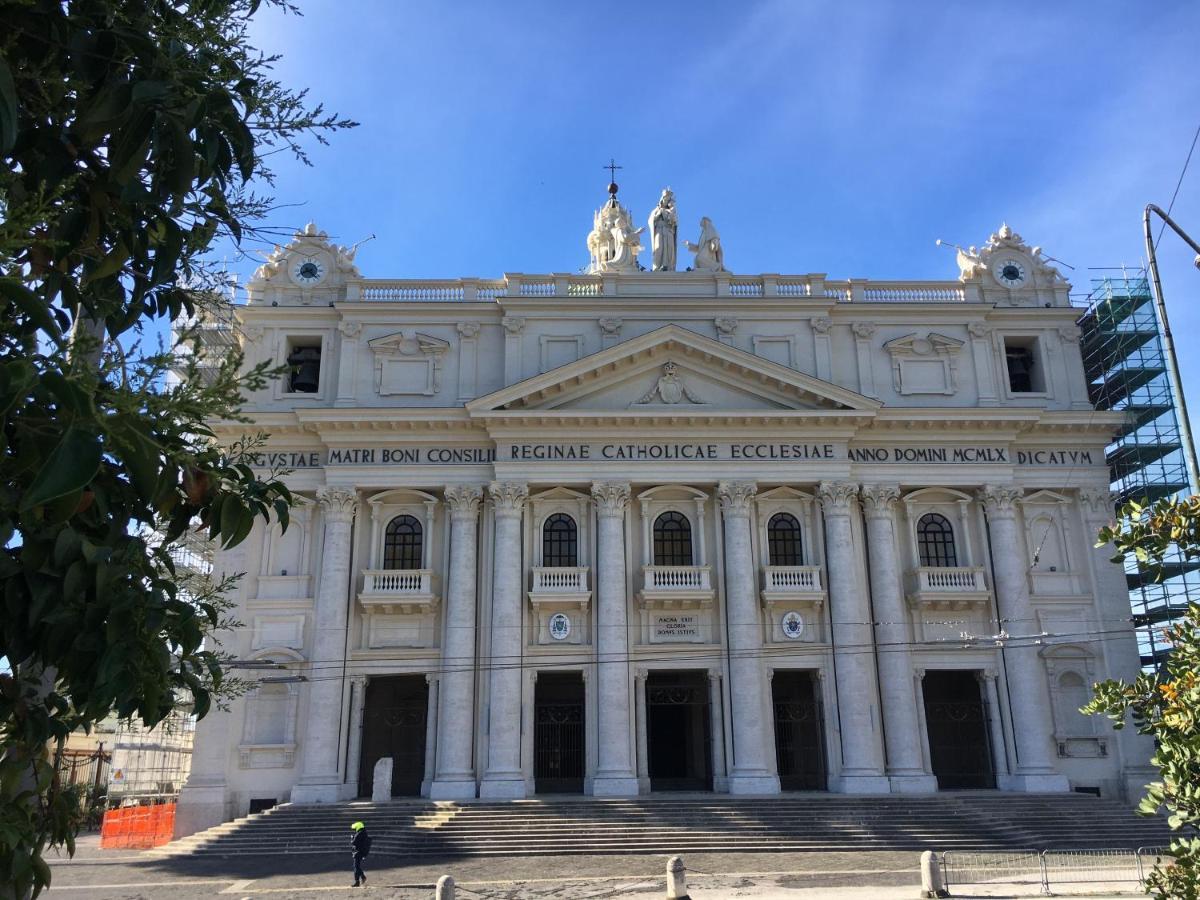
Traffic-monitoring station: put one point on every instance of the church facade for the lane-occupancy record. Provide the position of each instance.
(650, 530)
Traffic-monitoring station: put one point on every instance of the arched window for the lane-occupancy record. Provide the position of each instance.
(672, 540)
(935, 541)
(560, 542)
(784, 547)
(402, 544)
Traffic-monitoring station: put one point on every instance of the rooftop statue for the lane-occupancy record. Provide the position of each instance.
(664, 226)
(710, 257)
(613, 241)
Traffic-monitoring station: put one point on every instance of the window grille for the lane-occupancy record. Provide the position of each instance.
(560, 542)
(784, 546)
(672, 540)
(402, 544)
(935, 541)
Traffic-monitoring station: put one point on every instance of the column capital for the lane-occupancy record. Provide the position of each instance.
(508, 497)
(431, 678)
(879, 500)
(639, 674)
(612, 498)
(464, 500)
(1098, 505)
(360, 680)
(985, 675)
(919, 671)
(714, 676)
(837, 497)
(736, 496)
(1000, 500)
(338, 504)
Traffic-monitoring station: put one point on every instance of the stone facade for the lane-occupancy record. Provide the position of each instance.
(638, 489)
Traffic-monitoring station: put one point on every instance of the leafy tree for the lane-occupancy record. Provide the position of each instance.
(131, 132)
(1165, 705)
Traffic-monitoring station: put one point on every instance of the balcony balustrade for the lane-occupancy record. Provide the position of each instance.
(949, 587)
(676, 587)
(398, 590)
(793, 585)
(560, 585)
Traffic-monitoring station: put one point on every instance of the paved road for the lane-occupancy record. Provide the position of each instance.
(97, 874)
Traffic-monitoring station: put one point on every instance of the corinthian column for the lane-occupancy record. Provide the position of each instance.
(751, 771)
(1033, 723)
(504, 779)
(614, 767)
(454, 774)
(1121, 650)
(905, 763)
(320, 781)
(850, 614)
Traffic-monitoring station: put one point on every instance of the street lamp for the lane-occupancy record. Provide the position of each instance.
(1185, 428)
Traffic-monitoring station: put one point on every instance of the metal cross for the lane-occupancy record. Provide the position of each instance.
(612, 168)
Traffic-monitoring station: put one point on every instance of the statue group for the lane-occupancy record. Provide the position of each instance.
(614, 243)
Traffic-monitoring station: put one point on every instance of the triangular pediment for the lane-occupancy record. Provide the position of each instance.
(672, 370)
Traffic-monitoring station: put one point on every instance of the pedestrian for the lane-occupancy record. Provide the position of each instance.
(360, 841)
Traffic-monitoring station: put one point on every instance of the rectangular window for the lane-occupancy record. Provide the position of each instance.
(1024, 365)
(304, 361)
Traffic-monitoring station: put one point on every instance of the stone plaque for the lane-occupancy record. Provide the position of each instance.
(671, 628)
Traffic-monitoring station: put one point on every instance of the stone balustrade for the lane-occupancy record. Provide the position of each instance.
(675, 578)
(398, 590)
(560, 580)
(689, 284)
(948, 587)
(792, 579)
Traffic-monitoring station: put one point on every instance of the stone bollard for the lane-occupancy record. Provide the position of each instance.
(445, 888)
(932, 883)
(381, 784)
(676, 879)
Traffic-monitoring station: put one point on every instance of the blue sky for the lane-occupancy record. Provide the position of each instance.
(819, 137)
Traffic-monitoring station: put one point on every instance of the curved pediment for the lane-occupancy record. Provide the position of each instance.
(672, 370)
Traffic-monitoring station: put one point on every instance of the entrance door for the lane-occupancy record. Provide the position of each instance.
(959, 749)
(394, 725)
(799, 748)
(558, 733)
(677, 722)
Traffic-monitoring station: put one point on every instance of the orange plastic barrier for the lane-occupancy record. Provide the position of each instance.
(138, 827)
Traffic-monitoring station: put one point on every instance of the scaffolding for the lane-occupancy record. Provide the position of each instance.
(1127, 372)
(150, 765)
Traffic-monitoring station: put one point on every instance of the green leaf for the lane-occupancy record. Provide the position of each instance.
(70, 466)
(8, 108)
(32, 305)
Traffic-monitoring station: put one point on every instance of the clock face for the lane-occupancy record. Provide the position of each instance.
(1010, 272)
(307, 271)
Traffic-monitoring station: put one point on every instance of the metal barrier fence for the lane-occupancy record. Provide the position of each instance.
(1051, 868)
(962, 867)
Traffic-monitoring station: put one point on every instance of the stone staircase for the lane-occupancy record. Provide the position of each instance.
(692, 823)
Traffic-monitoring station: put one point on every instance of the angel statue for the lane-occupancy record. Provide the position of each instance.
(710, 257)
